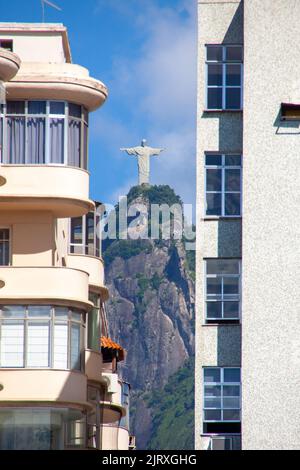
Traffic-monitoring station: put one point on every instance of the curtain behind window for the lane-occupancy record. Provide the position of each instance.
(74, 143)
(36, 141)
(57, 141)
(16, 140)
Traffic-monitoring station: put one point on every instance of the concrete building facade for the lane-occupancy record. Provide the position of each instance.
(247, 334)
(59, 383)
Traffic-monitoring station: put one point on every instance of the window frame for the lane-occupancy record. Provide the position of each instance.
(224, 85)
(7, 40)
(51, 320)
(223, 299)
(84, 246)
(223, 192)
(47, 116)
(222, 383)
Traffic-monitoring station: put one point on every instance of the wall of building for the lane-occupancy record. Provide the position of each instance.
(218, 22)
(271, 259)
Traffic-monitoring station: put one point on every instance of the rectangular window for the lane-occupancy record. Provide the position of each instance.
(12, 343)
(223, 185)
(223, 280)
(224, 66)
(38, 336)
(222, 394)
(60, 360)
(6, 44)
(4, 247)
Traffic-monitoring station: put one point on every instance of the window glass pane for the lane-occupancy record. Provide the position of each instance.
(74, 110)
(76, 230)
(213, 310)
(234, 53)
(39, 311)
(4, 253)
(231, 403)
(75, 346)
(231, 390)
(214, 75)
(232, 180)
(212, 415)
(233, 75)
(233, 160)
(231, 310)
(214, 53)
(12, 343)
(57, 141)
(231, 415)
(4, 234)
(90, 242)
(57, 107)
(233, 98)
(232, 375)
(232, 204)
(60, 346)
(61, 313)
(231, 285)
(36, 128)
(37, 107)
(214, 286)
(13, 311)
(213, 403)
(94, 331)
(222, 266)
(213, 180)
(15, 107)
(38, 344)
(213, 204)
(212, 390)
(214, 98)
(16, 140)
(212, 375)
(77, 316)
(215, 160)
(74, 143)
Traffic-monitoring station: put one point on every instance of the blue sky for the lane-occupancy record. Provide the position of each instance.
(145, 52)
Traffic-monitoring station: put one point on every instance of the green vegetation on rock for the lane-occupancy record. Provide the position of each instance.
(173, 412)
(125, 249)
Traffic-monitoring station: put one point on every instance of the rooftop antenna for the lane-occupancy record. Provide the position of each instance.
(43, 2)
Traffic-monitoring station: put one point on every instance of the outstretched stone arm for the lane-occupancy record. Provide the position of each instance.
(156, 151)
(130, 151)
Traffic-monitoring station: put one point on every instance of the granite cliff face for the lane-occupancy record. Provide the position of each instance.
(150, 312)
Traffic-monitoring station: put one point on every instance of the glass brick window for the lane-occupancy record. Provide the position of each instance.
(223, 281)
(224, 77)
(223, 185)
(40, 336)
(222, 394)
(4, 247)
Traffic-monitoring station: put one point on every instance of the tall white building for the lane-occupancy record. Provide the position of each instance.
(247, 292)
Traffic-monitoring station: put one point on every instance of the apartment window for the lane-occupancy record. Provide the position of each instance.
(94, 323)
(224, 69)
(222, 394)
(223, 281)
(84, 236)
(6, 44)
(223, 184)
(4, 247)
(40, 336)
(43, 132)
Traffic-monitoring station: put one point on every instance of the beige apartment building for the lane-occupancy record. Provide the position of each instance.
(59, 383)
(248, 195)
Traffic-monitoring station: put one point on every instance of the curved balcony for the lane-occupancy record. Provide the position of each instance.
(9, 65)
(56, 386)
(57, 82)
(94, 267)
(111, 412)
(54, 285)
(61, 190)
(114, 438)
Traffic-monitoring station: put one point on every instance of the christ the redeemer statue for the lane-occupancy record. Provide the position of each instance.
(143, 153)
